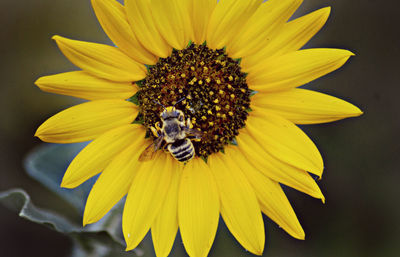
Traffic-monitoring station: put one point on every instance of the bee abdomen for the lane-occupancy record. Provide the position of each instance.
(182, 150)
(185, 156)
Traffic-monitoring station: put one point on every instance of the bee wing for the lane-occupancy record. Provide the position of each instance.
(194, 132)
(150, 151)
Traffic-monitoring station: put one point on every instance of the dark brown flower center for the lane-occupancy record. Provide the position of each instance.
(214, 92)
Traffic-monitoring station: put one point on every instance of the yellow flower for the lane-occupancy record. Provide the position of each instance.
(233, 68)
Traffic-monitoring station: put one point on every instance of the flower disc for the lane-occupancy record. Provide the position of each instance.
(207, 85)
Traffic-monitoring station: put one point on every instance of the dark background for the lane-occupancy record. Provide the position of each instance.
(362, 211)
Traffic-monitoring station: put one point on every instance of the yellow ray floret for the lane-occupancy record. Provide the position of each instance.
(99, 153)
(239, 206)
(296, 68)
(285, 141)
(270, 195)
(165, 225)
(86, 121)
(172, 21)
(200, 12)
(83, 85)
(198, 208)
(262, 27)
(114, 181)
(275, 168)
(302, 106)
(291, 37)
(141, 19)
(227, 19)
(112, 17)
(145, 198)
(101, 60)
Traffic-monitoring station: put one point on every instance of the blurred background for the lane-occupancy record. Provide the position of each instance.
(361, 216)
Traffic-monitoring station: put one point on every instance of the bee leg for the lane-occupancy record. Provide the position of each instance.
(165, 148)
(157, 125)
(194, 138)
(156, 130)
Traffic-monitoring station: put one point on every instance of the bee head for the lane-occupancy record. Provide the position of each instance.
(171, 112)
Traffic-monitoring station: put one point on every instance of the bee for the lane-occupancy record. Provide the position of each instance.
(175, 133)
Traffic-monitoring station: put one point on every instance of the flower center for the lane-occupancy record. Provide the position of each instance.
(207, 86)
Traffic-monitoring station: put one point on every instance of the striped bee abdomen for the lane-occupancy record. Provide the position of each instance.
(182, 150)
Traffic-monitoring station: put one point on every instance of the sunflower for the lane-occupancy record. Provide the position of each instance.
(233, 69)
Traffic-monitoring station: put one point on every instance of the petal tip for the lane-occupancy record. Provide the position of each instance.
(259, 252)
(129, 247)
(327, 10)
(88, 218)
(300, 235)
(41, 134)
(38, 82)
(67, 184)
(84, 221)
(37, 133)
(359, 112)
(343, 53)
(56, 37)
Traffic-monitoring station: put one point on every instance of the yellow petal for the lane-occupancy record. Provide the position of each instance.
(114, 182)
(101, 60)
(198, 208)
(165, 226)
(171, 19)
(293, 36)
(303, 106)
(201, 11)
(140, 17)
(272, 199)
(84, 122)
(252, 149)
(227, 20)
(145, 198)
(112, 18)
(100, 152)
(262, 27)
(239, 206)
(286, 142)
(83, 85)
(296, 68)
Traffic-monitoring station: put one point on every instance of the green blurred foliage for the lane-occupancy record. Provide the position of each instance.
(360, 217)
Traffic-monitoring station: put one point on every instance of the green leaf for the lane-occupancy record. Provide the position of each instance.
(48, 163)
(18, 200)
(103, 239)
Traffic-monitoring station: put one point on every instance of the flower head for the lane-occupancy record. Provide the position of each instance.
(192, 114)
